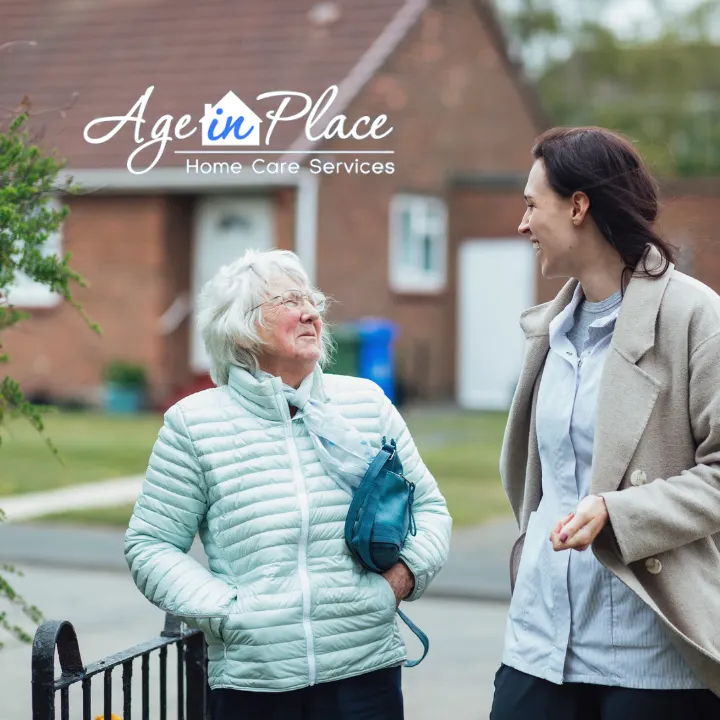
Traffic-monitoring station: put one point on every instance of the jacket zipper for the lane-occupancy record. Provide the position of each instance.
(302, 549)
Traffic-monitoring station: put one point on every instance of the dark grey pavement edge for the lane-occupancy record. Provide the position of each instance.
(478, 566)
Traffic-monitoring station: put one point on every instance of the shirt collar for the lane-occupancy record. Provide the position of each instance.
(562, 323)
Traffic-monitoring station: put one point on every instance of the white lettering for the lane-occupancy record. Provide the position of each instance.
(354, 167)
(139, 106)
(377, 124)
(335, 127)
(315, 116)
(181, 123)
(278, 115)
(160, 133)
(272, 167)
(138, 150)
(206, 168)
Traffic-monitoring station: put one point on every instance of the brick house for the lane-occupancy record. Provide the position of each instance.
(414, 245)
(380, 244)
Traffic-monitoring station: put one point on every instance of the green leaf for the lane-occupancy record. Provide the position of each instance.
(29, 214)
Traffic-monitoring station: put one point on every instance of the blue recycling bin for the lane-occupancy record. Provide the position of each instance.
(376, 356)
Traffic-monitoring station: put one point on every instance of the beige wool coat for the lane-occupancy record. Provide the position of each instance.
(656, 454)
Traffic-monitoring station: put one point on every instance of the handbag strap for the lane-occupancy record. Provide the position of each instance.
(368, 484)
(421, 636)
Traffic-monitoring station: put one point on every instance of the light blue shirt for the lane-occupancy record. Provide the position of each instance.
(570, 619)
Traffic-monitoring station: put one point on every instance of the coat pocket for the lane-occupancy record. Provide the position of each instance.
(210, 627)
(388, 592)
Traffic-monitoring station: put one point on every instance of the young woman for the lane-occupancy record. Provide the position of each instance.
(613, 443)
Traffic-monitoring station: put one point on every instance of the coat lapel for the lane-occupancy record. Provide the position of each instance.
(626, 399)
(628, 392)
(519, 454)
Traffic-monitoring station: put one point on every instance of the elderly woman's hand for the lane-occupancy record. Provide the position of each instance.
(578, 530)
(401, 580)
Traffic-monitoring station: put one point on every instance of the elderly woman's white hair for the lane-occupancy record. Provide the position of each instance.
(225, 320)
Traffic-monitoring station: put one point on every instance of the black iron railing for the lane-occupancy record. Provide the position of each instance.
(192, 689)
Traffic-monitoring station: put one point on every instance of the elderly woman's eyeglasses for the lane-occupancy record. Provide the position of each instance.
(294, 299)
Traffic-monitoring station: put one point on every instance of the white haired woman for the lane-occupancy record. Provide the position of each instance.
(296, 628)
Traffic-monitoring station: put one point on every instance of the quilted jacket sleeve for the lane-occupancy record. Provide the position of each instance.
(425, 552)
(172, 504)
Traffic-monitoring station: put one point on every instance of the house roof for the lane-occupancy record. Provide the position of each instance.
(108, 52)
(528, 91)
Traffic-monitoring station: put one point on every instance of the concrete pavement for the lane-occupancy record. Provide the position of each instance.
(110, 615)
(118, 491)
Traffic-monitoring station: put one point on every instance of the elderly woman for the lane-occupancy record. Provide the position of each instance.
(613, 443)
(259, 467)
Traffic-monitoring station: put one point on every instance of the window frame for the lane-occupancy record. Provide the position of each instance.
(412, 277)
(33, 295)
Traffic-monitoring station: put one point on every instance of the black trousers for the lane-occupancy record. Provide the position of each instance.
(372, 696)
(520, 697)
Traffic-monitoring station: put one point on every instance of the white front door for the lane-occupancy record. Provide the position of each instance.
(496, 282)
(225, 227)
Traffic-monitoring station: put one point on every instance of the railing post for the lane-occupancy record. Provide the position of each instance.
(172, 626)
(49, 635)
(196, 677)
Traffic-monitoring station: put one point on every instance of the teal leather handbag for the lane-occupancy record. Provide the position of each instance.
(379, 520)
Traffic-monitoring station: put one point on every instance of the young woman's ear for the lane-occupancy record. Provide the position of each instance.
(580, 207)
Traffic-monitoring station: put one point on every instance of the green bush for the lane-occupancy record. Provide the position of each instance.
(125, 374)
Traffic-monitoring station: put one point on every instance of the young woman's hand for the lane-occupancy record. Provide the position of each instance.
(578, 530)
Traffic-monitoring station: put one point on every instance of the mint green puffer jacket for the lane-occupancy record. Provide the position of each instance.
(284, 605)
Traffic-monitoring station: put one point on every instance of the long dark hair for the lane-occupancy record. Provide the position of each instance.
(623, 194)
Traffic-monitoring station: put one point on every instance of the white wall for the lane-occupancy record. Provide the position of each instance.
(496, 282)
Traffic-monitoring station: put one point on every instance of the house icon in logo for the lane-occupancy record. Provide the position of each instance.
(230, 122)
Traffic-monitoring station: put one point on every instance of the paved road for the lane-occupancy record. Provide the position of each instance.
(109, 615)
(477, 567)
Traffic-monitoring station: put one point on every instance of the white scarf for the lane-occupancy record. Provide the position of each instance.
(344, 453)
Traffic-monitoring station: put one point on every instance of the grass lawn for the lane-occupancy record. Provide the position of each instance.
(114, 516)
(92, 447)
(461, 449)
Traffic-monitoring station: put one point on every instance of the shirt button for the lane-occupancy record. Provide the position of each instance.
(638, 477)
(653, 566)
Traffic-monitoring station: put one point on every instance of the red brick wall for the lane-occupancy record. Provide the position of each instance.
(692, 222)
(117, 245)
(284, 200)
(455, 108)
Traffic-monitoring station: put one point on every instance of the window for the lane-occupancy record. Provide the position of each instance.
(418, 243)
(27, 293)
